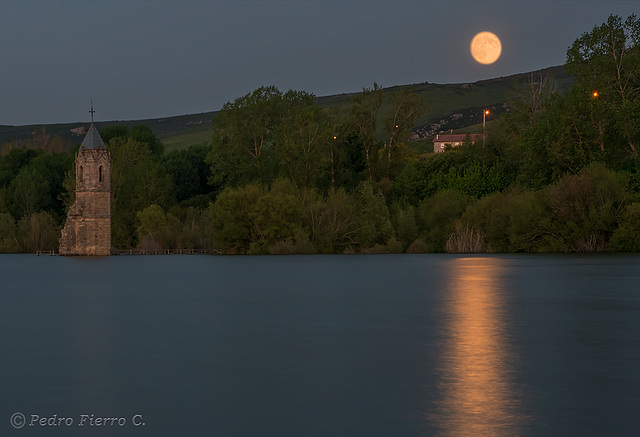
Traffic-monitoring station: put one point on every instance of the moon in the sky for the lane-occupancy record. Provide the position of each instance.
(486, 48)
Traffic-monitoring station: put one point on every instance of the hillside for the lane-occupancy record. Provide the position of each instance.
(451, 106)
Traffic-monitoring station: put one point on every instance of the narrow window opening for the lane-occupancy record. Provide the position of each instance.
(81, 175)
(100, 174)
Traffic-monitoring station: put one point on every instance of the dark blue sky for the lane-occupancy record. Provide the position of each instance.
(146, 59)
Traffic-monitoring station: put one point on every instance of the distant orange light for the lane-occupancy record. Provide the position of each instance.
(595, 94)
(486, 112)
(335, 137)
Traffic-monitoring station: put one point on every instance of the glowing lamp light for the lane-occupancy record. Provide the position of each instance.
(595, 94)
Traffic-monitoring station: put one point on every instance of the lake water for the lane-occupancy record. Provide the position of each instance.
(344, 345)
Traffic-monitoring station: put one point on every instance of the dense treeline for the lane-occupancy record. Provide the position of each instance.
(36, 190)
(558, 172)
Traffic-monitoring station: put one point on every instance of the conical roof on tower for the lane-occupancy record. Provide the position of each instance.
(92, 140)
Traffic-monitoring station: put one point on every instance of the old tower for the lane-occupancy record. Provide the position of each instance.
(87, 230)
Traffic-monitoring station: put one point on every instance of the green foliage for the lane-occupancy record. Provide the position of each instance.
(436, 217)
(8, 234)
(583, 210)
(406, 226)
(38, 231)
(140, 133)
(232, 226)
(118, 131)
(364, 116)
(189, 172)
(13, 162)
(476, 179)
(303, 141)
(465, 239)
(333, 222)
(4, 199)
(508, 221)
(418, 246)
(152, 231)
(53, 167)
(68, 194)
(244, 135)
(251, 220)
(527, 102)
(289, 176)
(180, 229)
(423, 178)
(375, 225)
(28, 192)
(145, 135)
(607, 61)
(137, 182)
(34, 182)
(626, 237)
(526, 213)
(277, 216)
(406, 108)
(459, 170)
(189, 228)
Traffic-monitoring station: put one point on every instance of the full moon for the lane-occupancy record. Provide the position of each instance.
(486, 48)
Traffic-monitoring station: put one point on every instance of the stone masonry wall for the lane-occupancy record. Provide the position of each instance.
(87, 230)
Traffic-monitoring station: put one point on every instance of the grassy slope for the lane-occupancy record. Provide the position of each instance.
(466, 100)
(188, 137)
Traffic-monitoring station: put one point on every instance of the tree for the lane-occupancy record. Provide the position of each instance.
(13, 161)
(38, 232)
(406, 225)
(8, 234)
(344, 161)
(374, 223)
(334, 222)
(52, 167)
(436, 216)
(626, 237)
(277, 217)
(244, 135)
(189, 171)
(152, 231)
(364, 114)
(406, 108)
(606, 64)
(232, 219)
(188, 228)
(303, 140)
(145, 135)
(137, 182)
(29, 192)
(527, 101)
(140, 133)
(583, 209)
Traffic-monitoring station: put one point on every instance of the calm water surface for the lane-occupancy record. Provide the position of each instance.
(379, 345)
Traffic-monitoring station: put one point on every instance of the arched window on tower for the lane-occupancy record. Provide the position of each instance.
(100, 174)
(81, 175)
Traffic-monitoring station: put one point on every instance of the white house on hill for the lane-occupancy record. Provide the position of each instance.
(441, 141)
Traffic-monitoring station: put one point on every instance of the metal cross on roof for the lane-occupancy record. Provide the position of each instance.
(92, 111)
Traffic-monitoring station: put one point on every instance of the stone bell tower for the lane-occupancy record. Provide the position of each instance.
(87, 230)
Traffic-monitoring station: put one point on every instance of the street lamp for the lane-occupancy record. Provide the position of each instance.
(484, 124)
